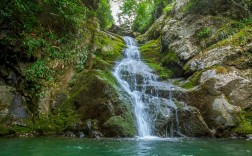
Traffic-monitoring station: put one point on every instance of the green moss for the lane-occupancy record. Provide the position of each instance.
(109, 47)
(85, 79)
(151, 51)
(45, 124)
(240, 38)
(162, 72)
(123, 126)
(153, 33)
(203, 33)
(151, 54)
(99, 63)
(107, 77)
(167, 9)
(245, 126)
(225, 29)
(186, 68)
(170, 57)
(15, 129)
(4, 130)
(193, 80)
(99, 97)
(188, 85)
(56, 121)
(179, 104)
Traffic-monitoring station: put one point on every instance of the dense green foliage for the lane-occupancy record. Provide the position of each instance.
(104, 14)
(49, 42)
(146, 12)
(240, 8)
(42, 32)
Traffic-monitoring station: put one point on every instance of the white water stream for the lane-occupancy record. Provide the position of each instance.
(136, 78)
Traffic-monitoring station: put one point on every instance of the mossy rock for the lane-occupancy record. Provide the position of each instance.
(108, 47)
(241, 38)
(192, 80)
(150, 51)
(151, 54)
(154, 32)
(4, 130)
(118, 126)
(97, 95)
(245, 126)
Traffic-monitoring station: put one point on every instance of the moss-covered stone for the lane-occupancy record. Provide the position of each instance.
(97, 95)
(245, 126)
(170, 58)
(151, 54)
(241, 38)
(192, 81)
(118, 126)
(108, 46)
(150, 51)
(3, 130)
(154, 32)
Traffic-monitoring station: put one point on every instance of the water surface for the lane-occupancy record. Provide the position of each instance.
(124, 147)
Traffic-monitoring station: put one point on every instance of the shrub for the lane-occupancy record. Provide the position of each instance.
(39, 71)
(203, 33)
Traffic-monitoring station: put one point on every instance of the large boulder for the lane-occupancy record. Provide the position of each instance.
(191, 123)
(97, 96)
(221, 95)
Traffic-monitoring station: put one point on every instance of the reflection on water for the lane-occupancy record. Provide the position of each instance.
(121, 147)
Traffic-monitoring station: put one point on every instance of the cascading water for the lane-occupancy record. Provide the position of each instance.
(152, 110)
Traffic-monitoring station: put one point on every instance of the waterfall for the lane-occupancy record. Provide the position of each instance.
(152, 100)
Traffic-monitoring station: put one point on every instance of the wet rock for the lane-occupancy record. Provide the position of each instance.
(6, 98)
(9, 75)
(81, 135)
(18, 108)
(96, 134)
(177, 37)
(153, 32)
(226, 112)
(98, 98)
(117, 126)
(44, 102)
(60, 98)
(249, 137)
(12, 106)
(215, 56)
(215, 99)
(69, 134)
(50, 99)
(191, 123)
(217, 65)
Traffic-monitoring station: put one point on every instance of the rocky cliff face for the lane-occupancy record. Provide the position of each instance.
(78, 101)
(211, 50)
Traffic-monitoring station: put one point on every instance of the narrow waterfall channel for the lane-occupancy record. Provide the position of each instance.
(153, 104)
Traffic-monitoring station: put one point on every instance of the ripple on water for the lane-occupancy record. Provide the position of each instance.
(141, 146)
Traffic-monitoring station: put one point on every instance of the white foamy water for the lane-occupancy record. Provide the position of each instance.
(138, 80)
